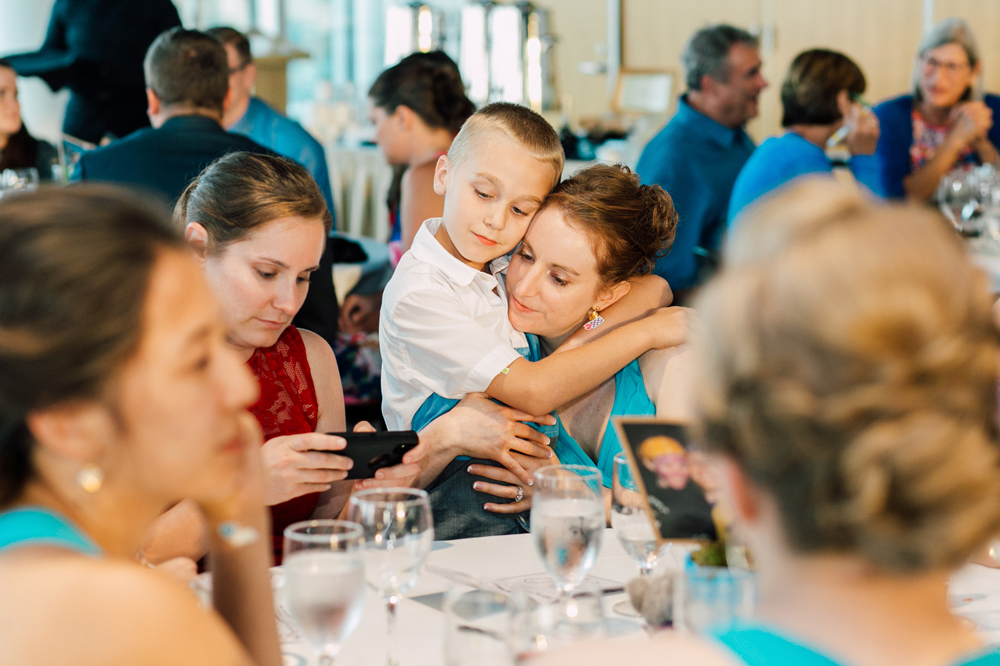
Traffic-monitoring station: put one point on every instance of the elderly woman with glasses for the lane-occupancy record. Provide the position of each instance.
(945, 124)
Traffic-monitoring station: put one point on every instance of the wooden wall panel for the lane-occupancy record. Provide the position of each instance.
(880, 36)
(984, 17)
(580, 26)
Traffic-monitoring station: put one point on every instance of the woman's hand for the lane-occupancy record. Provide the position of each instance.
(511, 483)
(296, 465)
(970, 122)
(403, 475)
(862, 138)
(482, 428)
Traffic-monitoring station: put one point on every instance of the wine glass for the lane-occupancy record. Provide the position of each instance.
(959, 199)
(324, 587)
(567, 522)
(631, 523)
(19, 180)
(398, 533)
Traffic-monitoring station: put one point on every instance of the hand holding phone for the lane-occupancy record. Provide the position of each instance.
(372, 451)
(295, 465)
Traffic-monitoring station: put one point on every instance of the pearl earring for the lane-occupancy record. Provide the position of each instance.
(90, 478)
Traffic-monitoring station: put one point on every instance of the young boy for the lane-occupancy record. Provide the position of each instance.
(443, 328)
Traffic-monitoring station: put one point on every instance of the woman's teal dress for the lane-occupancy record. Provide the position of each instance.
(759, 645)
(35, 526)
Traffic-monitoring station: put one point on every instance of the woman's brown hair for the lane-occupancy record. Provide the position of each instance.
(815, 78)
(631, 224)
(74, 270)
(848, 363)
(242, 191)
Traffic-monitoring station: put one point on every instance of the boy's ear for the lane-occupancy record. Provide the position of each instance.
(441, 176)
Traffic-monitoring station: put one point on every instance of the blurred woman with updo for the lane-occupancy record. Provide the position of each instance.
(849, 410)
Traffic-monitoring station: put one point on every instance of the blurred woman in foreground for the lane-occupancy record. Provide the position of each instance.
(850, 412)
(119, 397)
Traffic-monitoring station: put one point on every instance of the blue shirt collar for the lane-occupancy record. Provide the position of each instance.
(705, 126)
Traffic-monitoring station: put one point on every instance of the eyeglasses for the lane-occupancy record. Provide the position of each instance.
(932, 64)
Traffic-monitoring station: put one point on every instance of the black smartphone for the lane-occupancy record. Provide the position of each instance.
(371, 451)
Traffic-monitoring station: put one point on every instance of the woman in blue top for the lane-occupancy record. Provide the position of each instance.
(118, 398)
(945, 124)
(849, 408)
(820, 96)
(594, 236)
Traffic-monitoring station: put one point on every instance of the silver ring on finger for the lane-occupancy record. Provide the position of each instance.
(520, 494)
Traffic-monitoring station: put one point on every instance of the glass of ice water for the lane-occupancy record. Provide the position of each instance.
(631, 523)
(567, 522)
(324, 585)
(398, 533)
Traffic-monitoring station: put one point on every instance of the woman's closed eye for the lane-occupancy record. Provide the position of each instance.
(267, 275)
(559, 280)
(304, 278)
(523, 254)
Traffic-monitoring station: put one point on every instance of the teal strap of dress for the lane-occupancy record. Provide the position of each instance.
(34, 526)
(759, 645)
(436, 405)
(630, 400)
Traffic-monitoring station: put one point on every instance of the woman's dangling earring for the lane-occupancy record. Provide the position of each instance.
(594, 320)
(90, 478)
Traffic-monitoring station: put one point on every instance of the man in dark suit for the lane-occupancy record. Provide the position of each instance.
(187, 90)
(95, 48)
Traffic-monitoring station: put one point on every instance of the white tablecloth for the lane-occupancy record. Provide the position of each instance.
(974, 593)
(421, 628)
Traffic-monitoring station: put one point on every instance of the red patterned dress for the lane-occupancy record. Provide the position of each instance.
(287, 406)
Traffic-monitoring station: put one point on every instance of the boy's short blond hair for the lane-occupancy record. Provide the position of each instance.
(518, 123)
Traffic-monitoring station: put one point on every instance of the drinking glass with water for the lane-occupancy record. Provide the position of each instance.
(632, 525)
(567, 522)
(398, 534)
(324, 585)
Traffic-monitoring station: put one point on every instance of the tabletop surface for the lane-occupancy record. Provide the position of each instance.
(421, 627)
(974, 593)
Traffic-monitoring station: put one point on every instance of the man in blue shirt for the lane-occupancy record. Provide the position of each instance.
(698, 155)
(251, 117)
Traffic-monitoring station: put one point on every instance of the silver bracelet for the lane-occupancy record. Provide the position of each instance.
(236, 534)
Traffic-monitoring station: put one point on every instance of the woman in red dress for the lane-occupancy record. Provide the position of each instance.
(258, 225)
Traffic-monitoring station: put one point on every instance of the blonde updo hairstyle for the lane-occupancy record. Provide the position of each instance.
(849, 366)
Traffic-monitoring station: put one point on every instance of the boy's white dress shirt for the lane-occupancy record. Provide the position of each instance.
(443, 329)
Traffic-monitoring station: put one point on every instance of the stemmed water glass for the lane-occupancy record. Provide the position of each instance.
(567, 522)
(631, 523)
(324, 587)
(398, 533)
